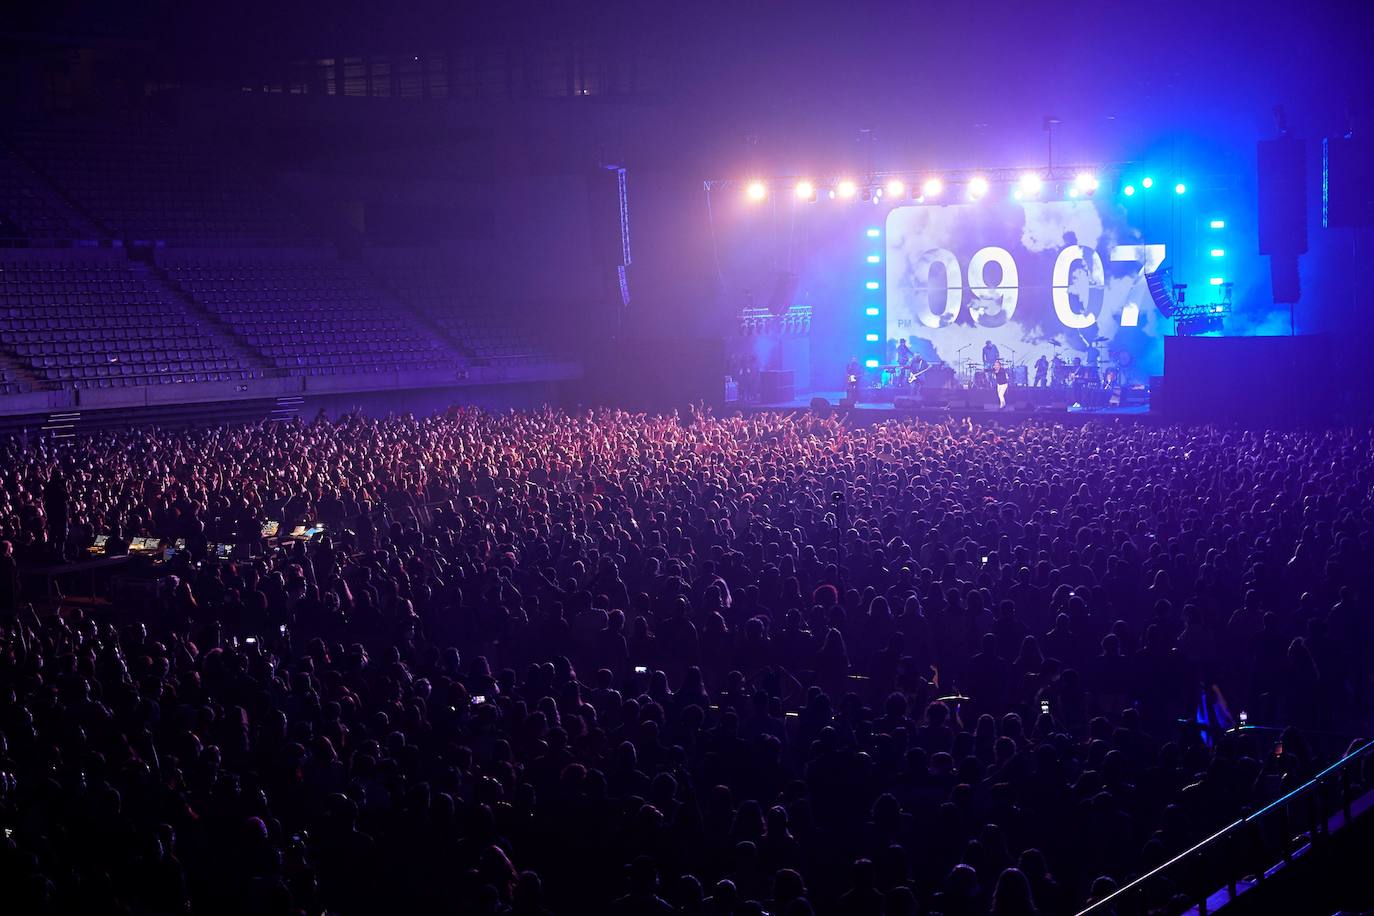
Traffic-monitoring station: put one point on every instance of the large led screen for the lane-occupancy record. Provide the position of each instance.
(1056, 278)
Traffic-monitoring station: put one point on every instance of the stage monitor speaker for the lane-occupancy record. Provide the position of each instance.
(1282, 196)
(784, 288)
(1347, 183)
(906, 402)
(1283, 278)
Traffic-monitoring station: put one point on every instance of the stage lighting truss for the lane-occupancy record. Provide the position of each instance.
(757, 321)
(1194, 318)
(934, 186)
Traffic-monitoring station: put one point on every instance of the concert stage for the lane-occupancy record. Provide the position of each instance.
(1242, 381)
(879, 405)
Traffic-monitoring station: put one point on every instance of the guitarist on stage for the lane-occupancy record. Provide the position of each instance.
(915, 369)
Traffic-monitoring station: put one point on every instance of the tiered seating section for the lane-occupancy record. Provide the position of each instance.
(26, 212)
(241, 292)
(312, 316)
(141, 182)
(96, 323)
(435, 289)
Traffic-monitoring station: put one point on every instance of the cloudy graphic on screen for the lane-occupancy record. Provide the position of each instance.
(1051, 278)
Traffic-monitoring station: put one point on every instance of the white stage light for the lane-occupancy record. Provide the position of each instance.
(757, 190)
(932, 188)
(977, 186)
(805, 190)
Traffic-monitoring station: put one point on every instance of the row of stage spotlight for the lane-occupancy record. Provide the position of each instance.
(1030, 186)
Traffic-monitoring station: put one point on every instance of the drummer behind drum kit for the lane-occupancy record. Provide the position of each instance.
(1094, 383)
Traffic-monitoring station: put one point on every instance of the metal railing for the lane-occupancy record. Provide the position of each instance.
(1245, 849)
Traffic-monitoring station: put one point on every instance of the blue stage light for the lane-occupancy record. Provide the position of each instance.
(871, 338)
(1218, 224)
(871, 363)
(1216, 281)
(873, 233)
(871, 284)
(1147, 182)
(871, 311)
(873, 259)
(1129, 190)
(1180, 188)
(1218, 252)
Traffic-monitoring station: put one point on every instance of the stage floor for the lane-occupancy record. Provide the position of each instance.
(873, 409)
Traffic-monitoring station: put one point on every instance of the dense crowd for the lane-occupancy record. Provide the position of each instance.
(569, 663)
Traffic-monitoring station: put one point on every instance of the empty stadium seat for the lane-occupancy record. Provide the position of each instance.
(80, 322)
(310, 316)
(436, 289)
